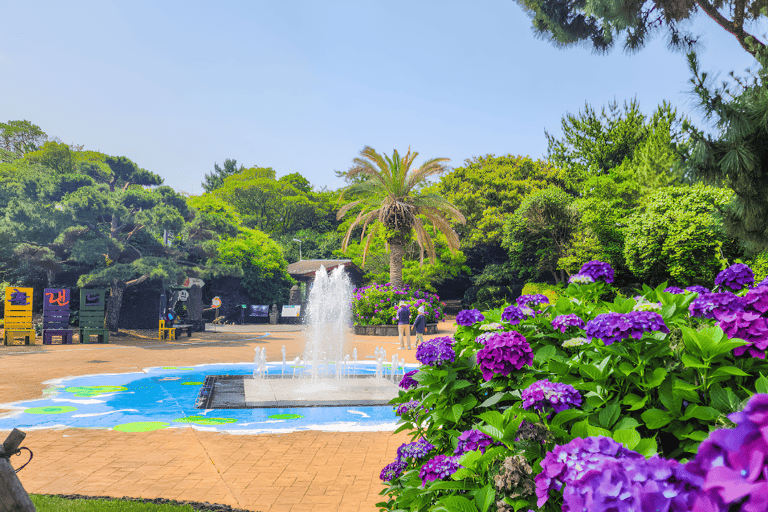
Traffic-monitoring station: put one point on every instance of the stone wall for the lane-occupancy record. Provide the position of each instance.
(387, 330)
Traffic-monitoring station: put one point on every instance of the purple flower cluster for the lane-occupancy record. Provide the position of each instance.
(697, 289)
(393, 470)
(415, 450)
(711, 305)
(536, 298)
(581, 279)
(542, 394)
(502, 353)
(436, 351)
(408, 382)
(562, 322)
(674, 289)
(756, 299)
(611, 327)
(598, 271)
(732, 462)
(513, 314)
(469, 317)
(472, 440)
(599, 474)
(735, 277)
(438, 468)
(749, 326)
(407, 407)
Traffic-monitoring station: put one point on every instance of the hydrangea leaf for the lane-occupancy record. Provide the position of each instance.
(485, 497)
(692, 362)
(458, 504)
(655, 418)
(609, 415)
(656, 377)
(729, 370)
(761, 386)
(495, 398)
(628, 437)
(724, 400)
(700, 412)
(647, 447)
(566, 415)
(635, 402)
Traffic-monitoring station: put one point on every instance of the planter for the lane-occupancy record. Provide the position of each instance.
(387, 330)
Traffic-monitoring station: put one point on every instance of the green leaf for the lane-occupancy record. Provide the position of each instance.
(494, 399)
(700, 413)
(609, 415)
(544, 353)
(597, 431)
(558, 367)
(591, 371)
(566, 415)
(626, 423)
(698, 435)
(729, 370)
(450, 485)
(493, 418)
(626, 368)
(461, 384)
(647, 447)
(761, 386)
(469, 459)
(656, 377)
(692, 362)
(580, 429)
(456, 411)
(458, 504)
(635, 402)
(628, 437)
(655, 418)
(485, 497)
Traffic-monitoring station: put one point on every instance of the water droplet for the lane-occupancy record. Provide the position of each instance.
(743, 472)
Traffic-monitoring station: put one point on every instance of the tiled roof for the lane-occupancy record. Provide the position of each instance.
(311, 266)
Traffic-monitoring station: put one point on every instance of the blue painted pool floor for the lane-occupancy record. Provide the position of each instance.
(164, 397)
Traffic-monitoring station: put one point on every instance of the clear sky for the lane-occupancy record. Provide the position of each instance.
(303, 86)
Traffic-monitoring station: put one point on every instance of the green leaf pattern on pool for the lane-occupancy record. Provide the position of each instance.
(202, 420)
(141, 426)
(285, 416)
(191, 383)
(91, 391)
(177, 368)
(51, 409)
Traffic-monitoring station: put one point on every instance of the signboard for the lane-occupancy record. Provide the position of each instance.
(260, 311)
(216, 303)
(183, 295)
(291, 311)
(193, 281)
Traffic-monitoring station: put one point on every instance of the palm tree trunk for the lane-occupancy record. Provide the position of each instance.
(396, 252)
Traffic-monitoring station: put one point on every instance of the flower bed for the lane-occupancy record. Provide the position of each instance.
(376, 304)
(656, 402)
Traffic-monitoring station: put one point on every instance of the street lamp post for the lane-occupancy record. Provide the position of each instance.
(297, 240)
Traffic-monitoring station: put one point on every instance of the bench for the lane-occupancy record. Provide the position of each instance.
(182, 328)
(56, 316)
(163, 331)
(92, 315)
(18, 316)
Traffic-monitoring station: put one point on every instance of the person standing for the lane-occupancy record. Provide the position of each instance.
(419, 324)
(404, 323)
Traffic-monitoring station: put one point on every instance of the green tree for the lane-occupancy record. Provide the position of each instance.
(540, 233)
(215, 179)
(391, 197)
(737, 157)
(676, 237)
(601, 23)
(20, 137)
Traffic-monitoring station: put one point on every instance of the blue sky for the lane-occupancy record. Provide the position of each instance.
(303, 86)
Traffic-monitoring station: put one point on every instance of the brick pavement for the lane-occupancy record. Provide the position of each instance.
(308, 470)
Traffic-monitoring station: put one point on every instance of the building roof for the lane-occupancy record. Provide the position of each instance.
(306, 268)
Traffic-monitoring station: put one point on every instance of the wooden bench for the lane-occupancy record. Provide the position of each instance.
(56, 316)
(92, 312)
(18, 316)
(188, 328)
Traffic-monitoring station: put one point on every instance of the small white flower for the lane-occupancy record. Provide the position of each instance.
(575, 342)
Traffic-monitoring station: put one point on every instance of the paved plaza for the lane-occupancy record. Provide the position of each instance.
(303, 470)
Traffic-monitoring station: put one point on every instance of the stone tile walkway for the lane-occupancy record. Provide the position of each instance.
(308, 470)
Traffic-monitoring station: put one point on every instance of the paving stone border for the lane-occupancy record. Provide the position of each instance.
(198, 506)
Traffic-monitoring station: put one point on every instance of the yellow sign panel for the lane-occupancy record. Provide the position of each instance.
(18, 299)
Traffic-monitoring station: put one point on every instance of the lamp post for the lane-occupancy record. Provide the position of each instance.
(297, 240)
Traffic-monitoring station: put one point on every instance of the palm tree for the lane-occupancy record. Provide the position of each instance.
(389, 192)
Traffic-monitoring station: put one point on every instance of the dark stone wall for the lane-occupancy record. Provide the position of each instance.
(141, 306)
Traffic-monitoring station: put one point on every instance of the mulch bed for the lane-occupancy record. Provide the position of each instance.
(198, 506)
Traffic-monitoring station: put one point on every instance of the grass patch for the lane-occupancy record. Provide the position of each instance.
(55, 504)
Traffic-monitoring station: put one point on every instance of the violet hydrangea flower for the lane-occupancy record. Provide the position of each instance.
(513, 314)
(469, 317)
(749, 326)
(544, 394)
(472, 440)
(393, 470)
(438, 468)
(415, 450)
(408, 382)
(756, 299)
(697, 289)
(436, 351)
(735, 277)
(581, 279)
(562, 322)
(535, 298)
(611, 327)
(709, 305)
(674, 289)
(598, 271)
(502, 353)
(408, 407)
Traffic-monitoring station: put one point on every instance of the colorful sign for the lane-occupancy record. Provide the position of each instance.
(18, 298)
(291, 311)
(216, 303)
(193, 281)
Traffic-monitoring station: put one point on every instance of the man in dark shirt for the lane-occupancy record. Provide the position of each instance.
(419, 326)
(404, 324)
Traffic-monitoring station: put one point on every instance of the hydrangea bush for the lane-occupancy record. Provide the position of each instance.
(592, 405)
(376, 304)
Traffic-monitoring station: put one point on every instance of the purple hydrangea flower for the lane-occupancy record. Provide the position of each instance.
(750, 327)
(415, 450)
(611, 327)
(408, 382)
(535, 298)
(709, 305)
(581, 279)
(513, 314)
(502, 353)
(697, 289)
(764, 282)
(562, 322)
(436, 351)
(544, 394)
(438, 468)
(598, 271)
(408, 407)
(735, 277)
(471, 440)
(393, 470)
(469, 317)
(756, 299)
(674, 289)
(732, 462)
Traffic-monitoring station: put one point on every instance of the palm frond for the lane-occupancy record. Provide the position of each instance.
(424, 241)
(439, 204)
(427, 169)
(351, 228)
(445, 228)
(368, 219)
(373, 232)
(344, 209)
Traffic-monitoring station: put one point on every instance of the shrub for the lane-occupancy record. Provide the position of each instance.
(376, 304)
(552, 292)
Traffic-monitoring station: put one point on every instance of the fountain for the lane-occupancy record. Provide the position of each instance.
(324, 375)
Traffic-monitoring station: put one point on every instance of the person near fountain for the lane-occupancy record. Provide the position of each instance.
(404, 324)
(419, 324)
